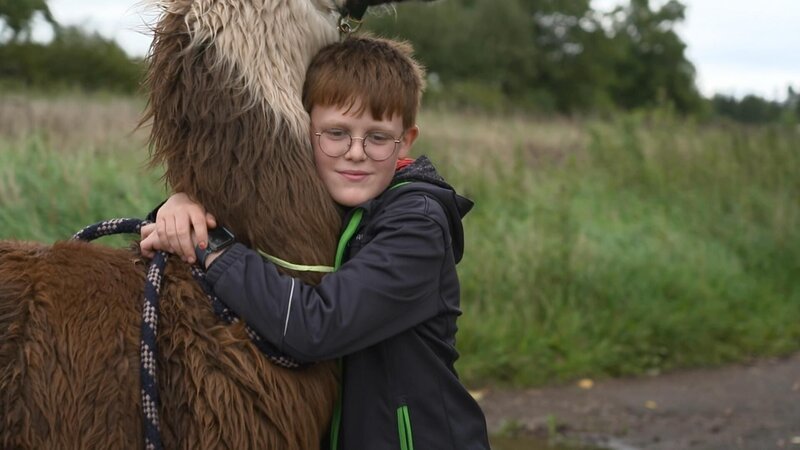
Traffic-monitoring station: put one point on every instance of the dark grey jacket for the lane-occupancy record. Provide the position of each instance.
(389, 311)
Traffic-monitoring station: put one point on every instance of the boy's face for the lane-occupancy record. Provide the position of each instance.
(353, 178)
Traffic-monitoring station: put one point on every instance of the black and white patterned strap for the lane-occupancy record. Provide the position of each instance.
(149, 331)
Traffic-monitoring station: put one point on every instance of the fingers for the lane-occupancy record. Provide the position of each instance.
(181, 224)
(146, 230)
(181, 240)
(146, 248)
(150, 245)
(173, 244)
(161, 230)
(145, 245)
(211, 220)
(200, 228)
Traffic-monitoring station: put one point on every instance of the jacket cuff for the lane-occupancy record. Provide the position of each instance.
(152, 215)
(225, 260)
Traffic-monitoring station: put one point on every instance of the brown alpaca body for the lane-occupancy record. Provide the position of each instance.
(225, 80)
(69, 361)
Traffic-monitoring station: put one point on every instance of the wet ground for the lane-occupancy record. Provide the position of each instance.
(751, 406)
(531, 443)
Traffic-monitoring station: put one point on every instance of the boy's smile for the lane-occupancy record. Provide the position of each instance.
(354, 175)
(353, 178)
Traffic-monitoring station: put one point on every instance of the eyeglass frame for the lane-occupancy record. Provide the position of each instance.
(397, 140)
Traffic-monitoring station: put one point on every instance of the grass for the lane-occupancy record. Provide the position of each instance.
(597, 248)
(652, 244)
(69, 162)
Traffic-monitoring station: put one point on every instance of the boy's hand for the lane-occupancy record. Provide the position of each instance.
(150, 243)
(181, 223)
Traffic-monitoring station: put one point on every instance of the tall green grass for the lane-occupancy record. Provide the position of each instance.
(652, 244)
(70, 161)
(47, 195)
(597, 247)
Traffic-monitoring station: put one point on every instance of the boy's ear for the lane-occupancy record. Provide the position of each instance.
(411, 135)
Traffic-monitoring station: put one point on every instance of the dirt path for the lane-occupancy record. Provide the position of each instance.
(754, 407)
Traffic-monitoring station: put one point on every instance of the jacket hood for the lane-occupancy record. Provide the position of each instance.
(455, 206)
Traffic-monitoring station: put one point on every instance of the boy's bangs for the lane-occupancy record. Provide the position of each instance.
(354, 94)
(366, 72)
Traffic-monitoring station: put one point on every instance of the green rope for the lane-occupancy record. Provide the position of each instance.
(298, 267)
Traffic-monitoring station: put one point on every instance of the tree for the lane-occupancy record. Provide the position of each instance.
(574, 62)
(75, 58)
(654, 69)
(793, 101)
(750, 109)
(553, 54)
(17, 16)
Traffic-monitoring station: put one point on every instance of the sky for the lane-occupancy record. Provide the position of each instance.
(738, 47)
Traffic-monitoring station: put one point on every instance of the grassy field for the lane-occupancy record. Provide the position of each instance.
(597, 248)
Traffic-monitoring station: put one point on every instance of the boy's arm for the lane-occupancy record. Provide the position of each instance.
(390, 286)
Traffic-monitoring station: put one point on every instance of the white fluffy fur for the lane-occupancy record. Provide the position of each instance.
(265, 46)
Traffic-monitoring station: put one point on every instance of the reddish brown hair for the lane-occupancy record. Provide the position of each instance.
(375, 73)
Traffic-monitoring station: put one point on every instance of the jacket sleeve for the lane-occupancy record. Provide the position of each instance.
(152, 215)
(391, 285)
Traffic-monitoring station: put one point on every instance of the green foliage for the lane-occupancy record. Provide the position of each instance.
(636, 244)
(74, 58)
(559, 52)
(540, 56)
(17, 16)
(750, 109)
(470, 95)
(655, 244)
(48, 195)
(654, 70)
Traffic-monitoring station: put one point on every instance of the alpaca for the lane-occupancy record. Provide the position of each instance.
(224, 80)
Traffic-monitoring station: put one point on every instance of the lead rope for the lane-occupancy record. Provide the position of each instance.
(150, 313)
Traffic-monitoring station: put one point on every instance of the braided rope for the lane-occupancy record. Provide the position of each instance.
(149, 330)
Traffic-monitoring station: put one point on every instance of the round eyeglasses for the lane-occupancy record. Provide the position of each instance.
(378, 146)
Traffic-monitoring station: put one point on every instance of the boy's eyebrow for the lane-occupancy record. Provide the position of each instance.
(345, 126)
(382, 130)
(328, 123)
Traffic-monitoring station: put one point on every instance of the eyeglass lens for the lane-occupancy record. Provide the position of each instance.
(377, 145)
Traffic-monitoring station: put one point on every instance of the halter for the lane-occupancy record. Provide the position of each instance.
(351, 15)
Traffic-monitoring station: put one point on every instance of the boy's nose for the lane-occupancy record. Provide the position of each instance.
(356, 151)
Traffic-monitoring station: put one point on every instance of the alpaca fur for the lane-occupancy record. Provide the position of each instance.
(224, 82)
(69, 361)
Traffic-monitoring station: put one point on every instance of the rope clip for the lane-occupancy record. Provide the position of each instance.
(348, 25)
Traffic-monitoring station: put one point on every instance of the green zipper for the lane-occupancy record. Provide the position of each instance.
(336, 420)
(352, 226)
(404, 428)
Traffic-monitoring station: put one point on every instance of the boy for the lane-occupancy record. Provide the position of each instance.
(390, 310)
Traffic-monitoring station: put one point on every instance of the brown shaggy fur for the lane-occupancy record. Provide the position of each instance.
(69, 361)
(224, 141)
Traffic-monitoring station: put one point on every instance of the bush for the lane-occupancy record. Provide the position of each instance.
(74, 59)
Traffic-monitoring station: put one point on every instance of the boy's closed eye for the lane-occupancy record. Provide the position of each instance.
(375, 137)
(379, 138)
(337, 134)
